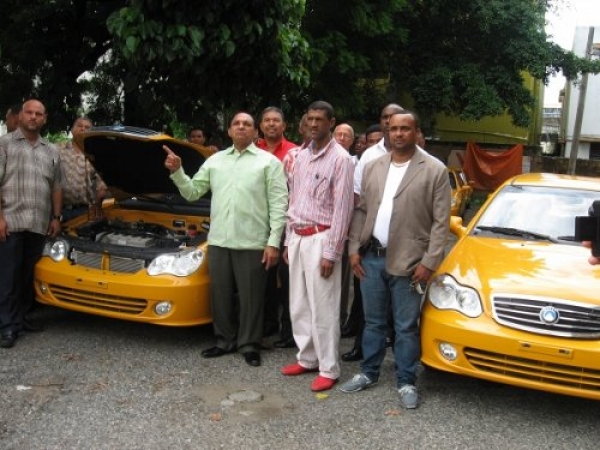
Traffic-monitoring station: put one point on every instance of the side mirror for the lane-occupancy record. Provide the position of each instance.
(456, 226)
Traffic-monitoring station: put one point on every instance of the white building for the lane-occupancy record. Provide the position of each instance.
(589, 139)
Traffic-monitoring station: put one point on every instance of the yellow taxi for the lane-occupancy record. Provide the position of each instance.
(461, 191)
(145, 258)
(516, 301)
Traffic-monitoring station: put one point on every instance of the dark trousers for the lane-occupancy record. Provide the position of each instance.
(357, 315)
(345, 292)
(277, 300)
(237, 319)
(18, 255)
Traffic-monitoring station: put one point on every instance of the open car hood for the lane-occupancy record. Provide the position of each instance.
(131, 160)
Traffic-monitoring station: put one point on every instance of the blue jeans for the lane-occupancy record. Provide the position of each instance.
(379, 289)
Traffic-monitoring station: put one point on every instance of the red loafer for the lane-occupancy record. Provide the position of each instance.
(296, 369)
(322, 384)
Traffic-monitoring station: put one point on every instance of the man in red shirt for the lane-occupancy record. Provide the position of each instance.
(272, 125)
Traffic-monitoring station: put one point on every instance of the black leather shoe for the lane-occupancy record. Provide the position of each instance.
(213, 352)
(285, 343)
(8, 339)
(252, 358)
(352, 355)
(348, 331)
(31, 326)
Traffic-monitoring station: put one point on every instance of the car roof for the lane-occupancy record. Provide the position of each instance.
(555, 180)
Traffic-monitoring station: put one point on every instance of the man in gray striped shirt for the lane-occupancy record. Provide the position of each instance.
(30, 205)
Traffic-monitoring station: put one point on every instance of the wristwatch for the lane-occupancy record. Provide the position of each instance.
(55, 217)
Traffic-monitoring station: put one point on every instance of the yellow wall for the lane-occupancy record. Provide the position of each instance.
(495, 130)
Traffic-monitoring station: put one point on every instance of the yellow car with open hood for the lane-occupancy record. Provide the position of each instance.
(145, 258)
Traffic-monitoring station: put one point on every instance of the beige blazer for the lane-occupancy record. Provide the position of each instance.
(420, 217)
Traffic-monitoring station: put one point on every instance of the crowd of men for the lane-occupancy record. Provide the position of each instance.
(293, 230)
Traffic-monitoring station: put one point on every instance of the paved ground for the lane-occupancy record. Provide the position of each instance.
(93, 383)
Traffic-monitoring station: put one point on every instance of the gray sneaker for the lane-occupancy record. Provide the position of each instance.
(409, 397)
(358, 383)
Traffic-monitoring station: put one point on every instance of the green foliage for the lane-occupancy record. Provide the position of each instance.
(197, 59)
(59, 137)
(167, 64)
(46, 46)
(351, 45)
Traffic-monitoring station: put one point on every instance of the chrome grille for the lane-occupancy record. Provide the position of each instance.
(577, 320)
(115, 263)
(530, 369)
(100, 301)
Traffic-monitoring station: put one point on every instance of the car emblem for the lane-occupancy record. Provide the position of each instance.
(549, 315)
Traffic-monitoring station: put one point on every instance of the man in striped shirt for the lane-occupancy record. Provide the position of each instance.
(319, 213)
(30, 204)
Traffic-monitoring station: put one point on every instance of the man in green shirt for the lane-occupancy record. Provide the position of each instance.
(248, 215)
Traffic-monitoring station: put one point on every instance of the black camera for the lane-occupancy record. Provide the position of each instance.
(587, 228)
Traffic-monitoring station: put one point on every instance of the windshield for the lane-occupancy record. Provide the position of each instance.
(543, 211)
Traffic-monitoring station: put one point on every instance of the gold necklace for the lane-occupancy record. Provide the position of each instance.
(402, 164)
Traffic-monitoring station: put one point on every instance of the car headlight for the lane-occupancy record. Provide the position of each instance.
(445, 293)
(180, 264)
(57, 250)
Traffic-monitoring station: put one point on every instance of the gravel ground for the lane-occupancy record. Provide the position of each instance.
(93, 383)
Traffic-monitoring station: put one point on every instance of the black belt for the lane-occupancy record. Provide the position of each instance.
(374, 247)
(71, 207)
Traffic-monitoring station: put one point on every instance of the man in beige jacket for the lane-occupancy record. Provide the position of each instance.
(397, 240)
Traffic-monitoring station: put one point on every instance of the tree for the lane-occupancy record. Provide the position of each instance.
(157, 62)
(193, 60)
(152, 61)
(45, 47)
(351, 44)
(465, 58)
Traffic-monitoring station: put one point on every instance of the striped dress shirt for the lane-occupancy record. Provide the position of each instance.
(29, 175)
(321, 193)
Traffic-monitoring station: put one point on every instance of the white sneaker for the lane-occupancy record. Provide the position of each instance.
(409, 397)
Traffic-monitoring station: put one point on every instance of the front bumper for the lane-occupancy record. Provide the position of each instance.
(124, 296)
(493, 352)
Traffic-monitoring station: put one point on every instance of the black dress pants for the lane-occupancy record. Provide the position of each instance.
(237, 319)
(18, 256)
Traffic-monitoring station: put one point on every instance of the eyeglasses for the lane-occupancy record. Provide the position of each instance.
(344, 135)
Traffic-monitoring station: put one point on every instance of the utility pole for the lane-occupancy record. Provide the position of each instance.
(580, 107)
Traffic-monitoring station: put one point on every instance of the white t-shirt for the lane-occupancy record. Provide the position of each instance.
(373, 152)
(381, 229)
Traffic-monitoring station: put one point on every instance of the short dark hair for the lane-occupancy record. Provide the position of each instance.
(243, 112)
(274, 109)
(86, 118)
(373, 129)
(413, 114)
(193, 129)
(322, 105)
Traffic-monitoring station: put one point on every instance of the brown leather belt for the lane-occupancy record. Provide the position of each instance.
(309, 231)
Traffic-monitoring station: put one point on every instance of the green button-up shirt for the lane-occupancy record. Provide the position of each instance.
(249, 197)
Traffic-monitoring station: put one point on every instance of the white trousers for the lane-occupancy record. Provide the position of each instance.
(314, 305)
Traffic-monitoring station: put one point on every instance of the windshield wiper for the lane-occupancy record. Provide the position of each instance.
(516, 232)
(566, 238)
